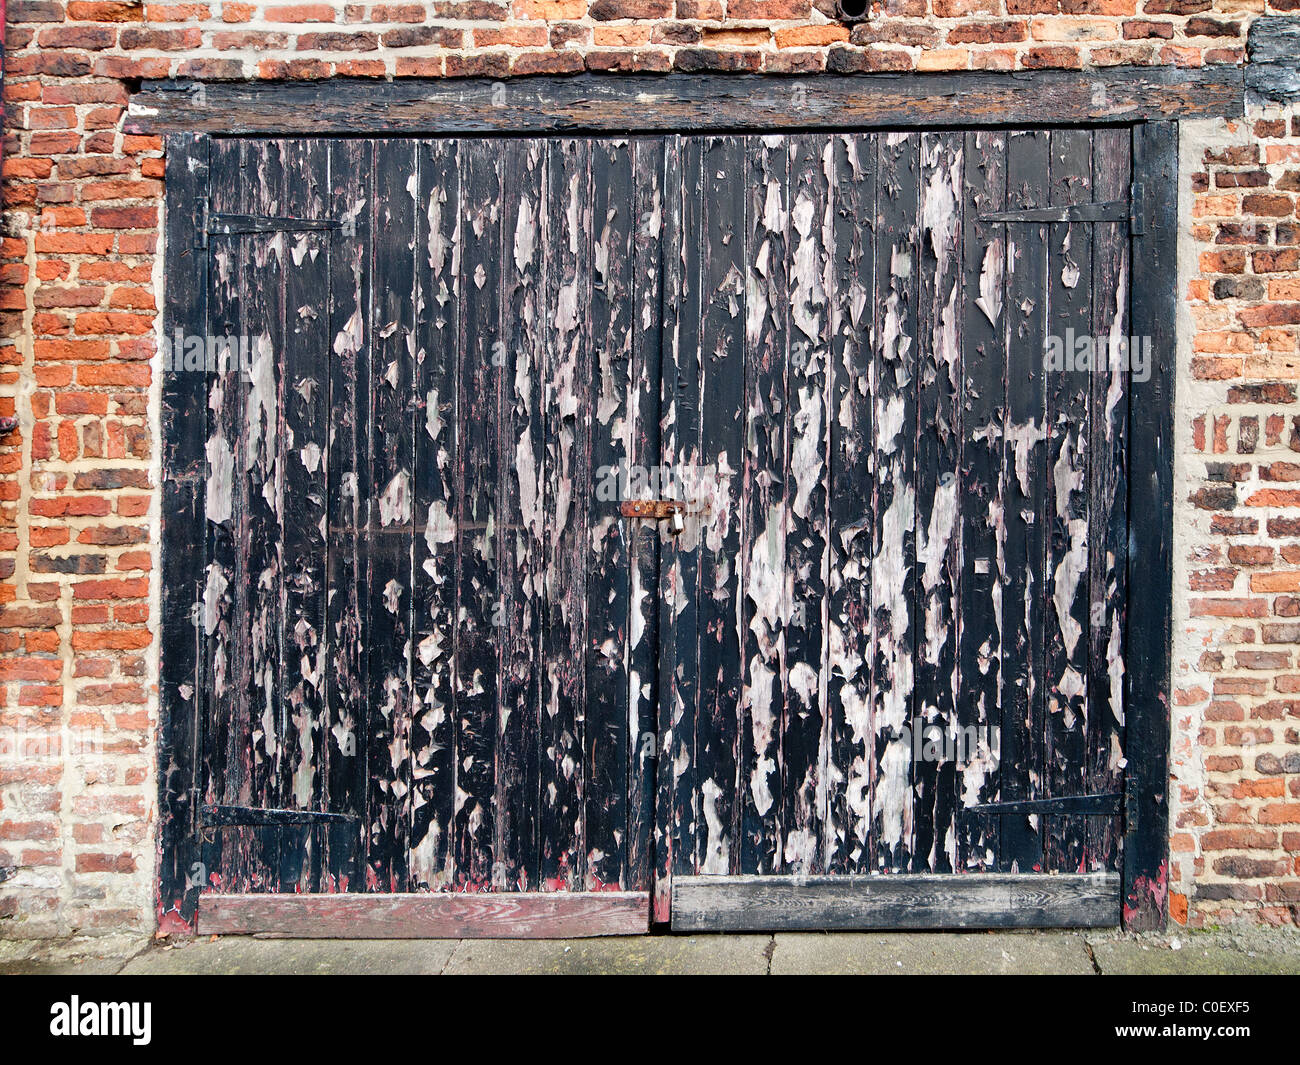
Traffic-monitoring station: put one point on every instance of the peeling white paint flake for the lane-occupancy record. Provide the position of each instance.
(758, 693)
(350, 338)
(395, 502)
(393, 595)
(433, 423)
(213, 590)
(218, 500)
(717, 847)
(1065, 583)
(261, 416)
(310, 453)
(990, 298)
(525, 234)
(1022, 439)
(440, 527)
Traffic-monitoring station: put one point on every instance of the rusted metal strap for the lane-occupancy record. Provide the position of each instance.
(1108, 211)
(1068, 804)
(248, 815)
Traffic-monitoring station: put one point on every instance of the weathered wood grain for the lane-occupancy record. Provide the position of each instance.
(763, 481)
(1151, 404)
(893, 577)
(981, 490)
(682, 450)
(347, 624)
(938, 526)
(714, 484)
(689, 102)
(1023, 520)
(520, 427)
(478, 545)
(643, 552)
(1108, 498)
(390, 524)
(675, 235)
(851, 760)
(427, 916)
(804, 741)
(436, 489)
(1069, 297)
(605, 377)
(991, 900)
(567, 506)
(183, 686)
(303, 447)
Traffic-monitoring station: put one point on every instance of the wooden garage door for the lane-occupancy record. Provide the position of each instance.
(421, 673)
(897, 625)
(887, 638)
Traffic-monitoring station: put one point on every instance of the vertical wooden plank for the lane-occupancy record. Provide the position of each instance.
(683, 577)
(479, 595)
(980, 491)
(1151, 405)
(435, 573)
(713, 530)
(1108, 494)
(767, 184)
(225, 583)
(567, 502)
(675, 235)
(183, 683)
(1069, 295)
(347, 617)
(852, 518)
(1025, 472)
(938, 532)
(390, 526)
(893, 542)
(261, 537)
(520, 415)
(304, 479)
(605, 376)
(803, 738)
(643, 552)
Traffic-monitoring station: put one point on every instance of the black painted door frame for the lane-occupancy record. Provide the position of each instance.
(1152, 313)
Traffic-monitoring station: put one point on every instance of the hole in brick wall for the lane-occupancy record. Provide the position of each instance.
(852, 10)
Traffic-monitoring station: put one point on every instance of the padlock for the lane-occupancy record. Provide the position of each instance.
(676, 523)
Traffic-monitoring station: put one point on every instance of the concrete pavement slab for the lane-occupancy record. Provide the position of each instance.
(79, 955)
(237, 955)
(1197, 954)
(930, 952)
(616, 955)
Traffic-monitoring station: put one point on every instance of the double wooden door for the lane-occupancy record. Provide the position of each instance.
(876, 627)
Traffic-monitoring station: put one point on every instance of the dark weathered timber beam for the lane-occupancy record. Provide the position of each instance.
(1275, 39)
(641, 103)
(1273, 45)
(987, 900)
(1153, 313)
(485, 915)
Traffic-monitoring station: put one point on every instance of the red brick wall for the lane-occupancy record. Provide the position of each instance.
(1236, 835)
(78, 508)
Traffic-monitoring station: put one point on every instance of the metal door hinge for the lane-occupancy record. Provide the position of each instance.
(201, 231)
(1089, 805)
(1138, 210)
